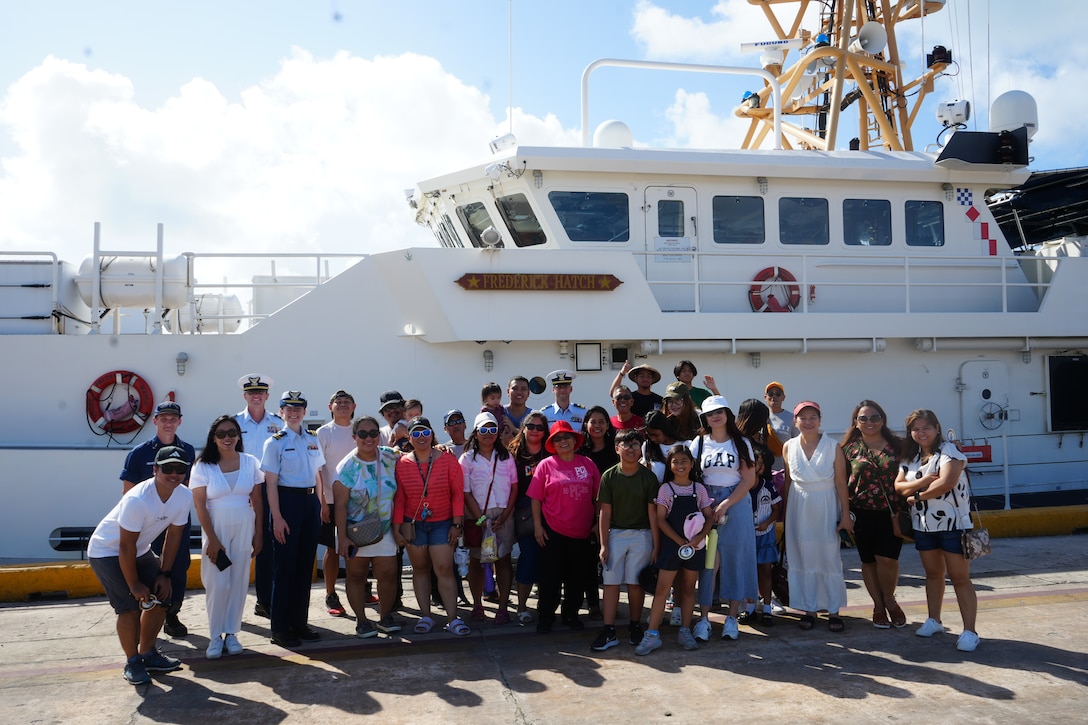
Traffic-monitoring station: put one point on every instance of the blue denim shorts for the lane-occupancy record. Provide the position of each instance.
(432, 533)
(944, 540)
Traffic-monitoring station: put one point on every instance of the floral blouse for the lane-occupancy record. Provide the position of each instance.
(872, 475)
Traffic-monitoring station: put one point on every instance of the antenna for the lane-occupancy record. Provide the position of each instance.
(510, 62)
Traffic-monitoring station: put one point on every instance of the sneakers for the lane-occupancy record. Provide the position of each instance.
(650, 642)
(701, 630)
(776, 606)
(234, 647)
(388, 625)
(968, 641)
(135, 672)
(332, 603)
(677, 617)
(173, 627)
(364, 629)
(930, 628)
(261, 611)
(606, 639)
(215, 649)
(155, 661)
(686, 640)
(730, 630)
(634, 633)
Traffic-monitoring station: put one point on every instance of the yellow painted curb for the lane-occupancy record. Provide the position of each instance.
(1044, 521)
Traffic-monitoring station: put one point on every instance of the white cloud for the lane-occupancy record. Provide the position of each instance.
(315, 157)
(668, 36)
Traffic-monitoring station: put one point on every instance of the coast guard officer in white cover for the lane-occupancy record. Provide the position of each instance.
(257, 426)
(562, 408)
(292, 464)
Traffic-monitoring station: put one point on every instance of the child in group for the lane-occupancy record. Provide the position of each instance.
(767, 504)
(680, 497)
(491, 397)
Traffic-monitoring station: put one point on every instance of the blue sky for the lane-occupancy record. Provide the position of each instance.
(275, 125)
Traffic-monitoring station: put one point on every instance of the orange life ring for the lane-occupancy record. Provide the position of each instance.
(126, 416)
(768, 277)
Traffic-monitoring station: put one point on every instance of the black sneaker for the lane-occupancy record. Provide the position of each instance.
(574, 623)
(634, 633)
(285, 639)
(135, 672)
(307, 634)
(605, 640)
(155, 661)
(261, 611)
(332, 603)
(174, 628)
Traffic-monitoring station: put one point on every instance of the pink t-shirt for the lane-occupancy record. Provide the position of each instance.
(567, 491)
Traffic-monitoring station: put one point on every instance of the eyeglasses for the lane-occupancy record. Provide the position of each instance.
(363, 434)
(421, 433)
(222, 434)
(629, 444)
(173, 468)
(488, 430)
(535, 426)
(624, 397)
(776, 394)
(874, 418)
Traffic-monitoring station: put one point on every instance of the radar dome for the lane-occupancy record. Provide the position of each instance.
(613, 134)
(1014, 109)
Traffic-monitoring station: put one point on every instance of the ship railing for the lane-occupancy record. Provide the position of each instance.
(720, 281)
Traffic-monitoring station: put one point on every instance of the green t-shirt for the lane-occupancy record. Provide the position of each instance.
(629, 496)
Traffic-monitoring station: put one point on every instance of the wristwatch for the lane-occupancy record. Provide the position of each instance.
(455, 525)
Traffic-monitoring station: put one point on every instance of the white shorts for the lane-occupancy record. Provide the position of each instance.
(385, 547)
(629, 552)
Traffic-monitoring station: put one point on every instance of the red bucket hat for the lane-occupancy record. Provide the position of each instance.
(562, 426)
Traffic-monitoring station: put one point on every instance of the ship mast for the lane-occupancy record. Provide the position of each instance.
(851, 63)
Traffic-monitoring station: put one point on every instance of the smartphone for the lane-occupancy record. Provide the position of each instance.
(222, 560)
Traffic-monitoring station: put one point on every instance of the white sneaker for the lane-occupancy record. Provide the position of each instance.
(730, 630)
(215, 649)
(968, 641)
(701, 630)
(676, 618)
(234, 647)
(776, 606)
(930, 628)
(649, 643)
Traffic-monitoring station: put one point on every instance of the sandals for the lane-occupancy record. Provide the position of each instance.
(525, 618)
(478, 614)
(502, 617)
(424, 625)
(899, 619)
(835, 623)
(457, 627)
(807, 621)
(880, 618)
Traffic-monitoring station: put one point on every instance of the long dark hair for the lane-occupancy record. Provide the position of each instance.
(854, 434)
(682, 450)
(912, 450)
(752, 418)
(609, 431)
(656, 420)
(518, 446)
(210, 454)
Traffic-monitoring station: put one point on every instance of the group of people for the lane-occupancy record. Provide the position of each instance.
(676, 494)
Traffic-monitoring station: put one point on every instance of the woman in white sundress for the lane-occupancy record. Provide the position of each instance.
(819, 508)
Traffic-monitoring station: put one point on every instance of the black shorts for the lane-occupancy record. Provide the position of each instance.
(669, 558)
(108, 571)
(327, 536)
(874, 536)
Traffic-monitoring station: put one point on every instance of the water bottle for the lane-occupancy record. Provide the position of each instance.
(489, 579)
(460, 558)
(711, 548)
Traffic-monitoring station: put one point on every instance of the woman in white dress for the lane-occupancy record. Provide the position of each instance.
(226, 486)
(819, 508)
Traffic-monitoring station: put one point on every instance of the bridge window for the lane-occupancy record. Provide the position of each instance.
(521, 220)
(670, 218)
(739, 220)
(867, 222)
(802, 221)
(593, 216)
(925, 223)
(476, 220)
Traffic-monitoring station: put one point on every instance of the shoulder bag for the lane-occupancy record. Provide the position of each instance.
(370, 529)
(473, 532)
(976, 542)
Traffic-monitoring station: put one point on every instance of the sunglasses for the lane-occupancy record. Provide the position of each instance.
(535, 426)
(624, 397)
(562, 437)
(488, 430)
(776, 395)
(173, 468)
(421, 433)
(363, 434)
(874, 418)
(223, 434)
(456, 421)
